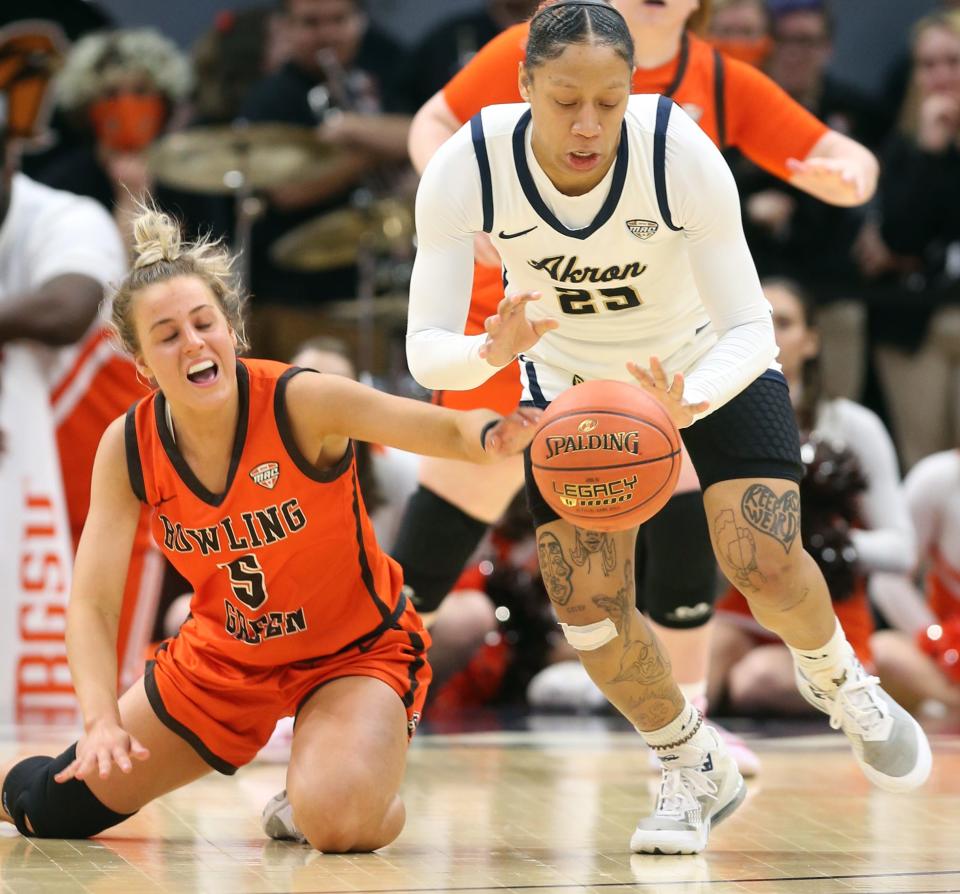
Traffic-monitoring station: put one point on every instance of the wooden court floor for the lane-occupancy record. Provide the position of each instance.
(546, 811)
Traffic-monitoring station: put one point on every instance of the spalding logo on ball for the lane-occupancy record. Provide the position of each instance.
(606, 456)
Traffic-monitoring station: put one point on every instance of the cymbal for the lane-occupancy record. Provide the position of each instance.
(223, 159)
(388, 310)
(335, 239)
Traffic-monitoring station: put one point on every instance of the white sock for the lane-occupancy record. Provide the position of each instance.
(678, 731)
(696, 694)
(825, 667)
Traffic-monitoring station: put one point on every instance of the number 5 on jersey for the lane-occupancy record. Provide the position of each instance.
(580, 301)
(247, 580)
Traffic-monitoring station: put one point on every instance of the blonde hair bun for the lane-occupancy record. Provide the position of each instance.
(156, 238)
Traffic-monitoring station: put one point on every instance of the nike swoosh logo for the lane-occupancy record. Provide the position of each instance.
(503, 235)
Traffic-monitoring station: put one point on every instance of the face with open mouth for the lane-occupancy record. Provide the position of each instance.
(186, 344)
(577, 100)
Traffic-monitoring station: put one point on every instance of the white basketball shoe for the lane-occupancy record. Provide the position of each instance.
(888, 743)
(277, 820)
(700, 786)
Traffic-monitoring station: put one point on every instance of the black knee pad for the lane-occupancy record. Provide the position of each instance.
(675, 568)
(55, 809)
(435, 541)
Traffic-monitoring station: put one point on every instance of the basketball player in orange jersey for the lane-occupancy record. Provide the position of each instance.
(735, 105)
(249, 471)
(624, 258)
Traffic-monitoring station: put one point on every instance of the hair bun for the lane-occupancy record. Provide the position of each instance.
(156, 238)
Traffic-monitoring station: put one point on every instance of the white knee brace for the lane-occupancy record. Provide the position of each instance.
(589, 636)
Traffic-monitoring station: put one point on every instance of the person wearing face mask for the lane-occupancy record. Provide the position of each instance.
(740, 29)
(735, 105)
(122, 88)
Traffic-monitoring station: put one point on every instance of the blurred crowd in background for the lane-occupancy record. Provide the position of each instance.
(284, 129)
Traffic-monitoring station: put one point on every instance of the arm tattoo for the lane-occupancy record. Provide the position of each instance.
(779, 517)
(738, 550)
(555, 569)
(592, 542)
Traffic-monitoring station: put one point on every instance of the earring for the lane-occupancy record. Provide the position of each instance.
(146, 383)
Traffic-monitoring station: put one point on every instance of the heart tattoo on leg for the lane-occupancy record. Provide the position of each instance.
(778, 517)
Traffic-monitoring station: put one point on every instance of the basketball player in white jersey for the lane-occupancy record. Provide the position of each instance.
(619, 228)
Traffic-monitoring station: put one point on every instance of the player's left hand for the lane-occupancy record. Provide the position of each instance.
(512, 433)
(669, 393)
(839, 181)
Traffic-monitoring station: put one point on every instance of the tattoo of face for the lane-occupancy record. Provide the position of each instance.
(737, 549)
(555, 569)
(591, 543)
(778, 517)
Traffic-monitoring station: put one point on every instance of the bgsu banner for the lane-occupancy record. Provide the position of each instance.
(35, 551)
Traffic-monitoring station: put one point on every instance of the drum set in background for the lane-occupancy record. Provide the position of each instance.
(374, 232)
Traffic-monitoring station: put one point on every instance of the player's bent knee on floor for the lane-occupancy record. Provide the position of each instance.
(43, 808)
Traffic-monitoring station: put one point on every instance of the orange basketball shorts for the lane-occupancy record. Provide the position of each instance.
(227, 711)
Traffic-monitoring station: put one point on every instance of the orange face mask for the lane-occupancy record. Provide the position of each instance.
(753, 52)
(128, 122)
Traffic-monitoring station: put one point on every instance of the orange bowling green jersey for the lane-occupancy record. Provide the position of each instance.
(284, 564)
(734, 103)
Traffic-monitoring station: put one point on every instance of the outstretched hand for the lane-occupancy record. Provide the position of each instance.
(509, 332)
(840, 181)
(670, 394)
(512, 433)
(103, 745)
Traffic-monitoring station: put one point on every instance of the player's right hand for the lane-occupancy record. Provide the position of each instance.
(104, 744)
(509, 332)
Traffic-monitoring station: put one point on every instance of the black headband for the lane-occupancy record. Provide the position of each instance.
(585, 3)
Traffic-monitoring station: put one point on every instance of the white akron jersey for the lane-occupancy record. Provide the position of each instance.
(622, 287)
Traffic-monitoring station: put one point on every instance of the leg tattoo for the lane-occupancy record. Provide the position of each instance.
(778, 517)
(736, 546)
(555, 568)
(592, 542)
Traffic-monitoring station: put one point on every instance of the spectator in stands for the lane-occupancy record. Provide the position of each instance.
(919, 204)
(122, 88)
(342, 79)
(239, 50)
(741, 30)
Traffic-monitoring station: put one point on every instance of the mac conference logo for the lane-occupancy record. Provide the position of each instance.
(642, 229)
(266, 475)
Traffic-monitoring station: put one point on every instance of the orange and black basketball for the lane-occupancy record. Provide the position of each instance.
(606, 456)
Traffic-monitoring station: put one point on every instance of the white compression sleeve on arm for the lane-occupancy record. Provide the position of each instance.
(704, 201)
(449, 213)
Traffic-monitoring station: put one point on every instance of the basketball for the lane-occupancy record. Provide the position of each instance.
(606, 456)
